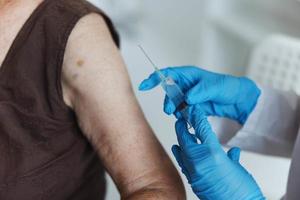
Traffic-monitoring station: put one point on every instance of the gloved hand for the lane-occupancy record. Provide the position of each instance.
(218, 94)
(213, 174)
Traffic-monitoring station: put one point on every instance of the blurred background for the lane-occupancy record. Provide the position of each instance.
(214, 34)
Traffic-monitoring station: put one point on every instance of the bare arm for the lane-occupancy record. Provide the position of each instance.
(96, 85)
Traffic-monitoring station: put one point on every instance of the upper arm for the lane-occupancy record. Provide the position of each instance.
(97, 86)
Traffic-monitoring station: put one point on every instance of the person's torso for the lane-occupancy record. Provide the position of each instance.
(293, 191)
(43, 153)
(12, 17)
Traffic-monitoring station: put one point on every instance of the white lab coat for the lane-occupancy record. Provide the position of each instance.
(272, 128)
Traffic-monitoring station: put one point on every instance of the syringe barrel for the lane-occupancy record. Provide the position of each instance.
(173, 91)
(177, 97)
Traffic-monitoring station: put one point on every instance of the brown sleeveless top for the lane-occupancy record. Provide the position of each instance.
(43, 153)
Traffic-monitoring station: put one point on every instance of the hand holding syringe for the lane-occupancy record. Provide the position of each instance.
(172, 90)
(208, 94)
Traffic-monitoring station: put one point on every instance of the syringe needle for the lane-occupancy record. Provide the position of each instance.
(172, 90)
(147, 56)
(150, 60)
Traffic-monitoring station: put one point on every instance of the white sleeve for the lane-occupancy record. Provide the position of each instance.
(271, 128)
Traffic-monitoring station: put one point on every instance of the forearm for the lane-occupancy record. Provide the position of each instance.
(158, 191)
(163, 182)
(158, 194)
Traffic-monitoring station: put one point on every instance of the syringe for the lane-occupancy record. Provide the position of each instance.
(172, 90)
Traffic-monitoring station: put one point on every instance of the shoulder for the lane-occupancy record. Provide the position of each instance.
(87, 17)
(91, 54)
(89, 39)
(91, 25)
(78, 7)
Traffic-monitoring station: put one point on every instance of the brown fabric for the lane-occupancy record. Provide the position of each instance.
(43, 153)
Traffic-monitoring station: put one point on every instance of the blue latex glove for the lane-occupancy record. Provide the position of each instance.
(218, 94)
(213, 174)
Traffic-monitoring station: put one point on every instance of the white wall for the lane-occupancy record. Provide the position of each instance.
(215, 34)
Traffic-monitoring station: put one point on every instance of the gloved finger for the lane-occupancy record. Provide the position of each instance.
(220, 110)
(210, 109)
(182, 114)
(178, 156)
(215, 109)
(203, 130)
(154, 79)
(207, 108)
(178, 115)
(169, 107)
(234, 154)
(202, 92)
(185, 139)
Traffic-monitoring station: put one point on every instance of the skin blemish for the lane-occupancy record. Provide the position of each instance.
(74, 76)
(80, 63)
